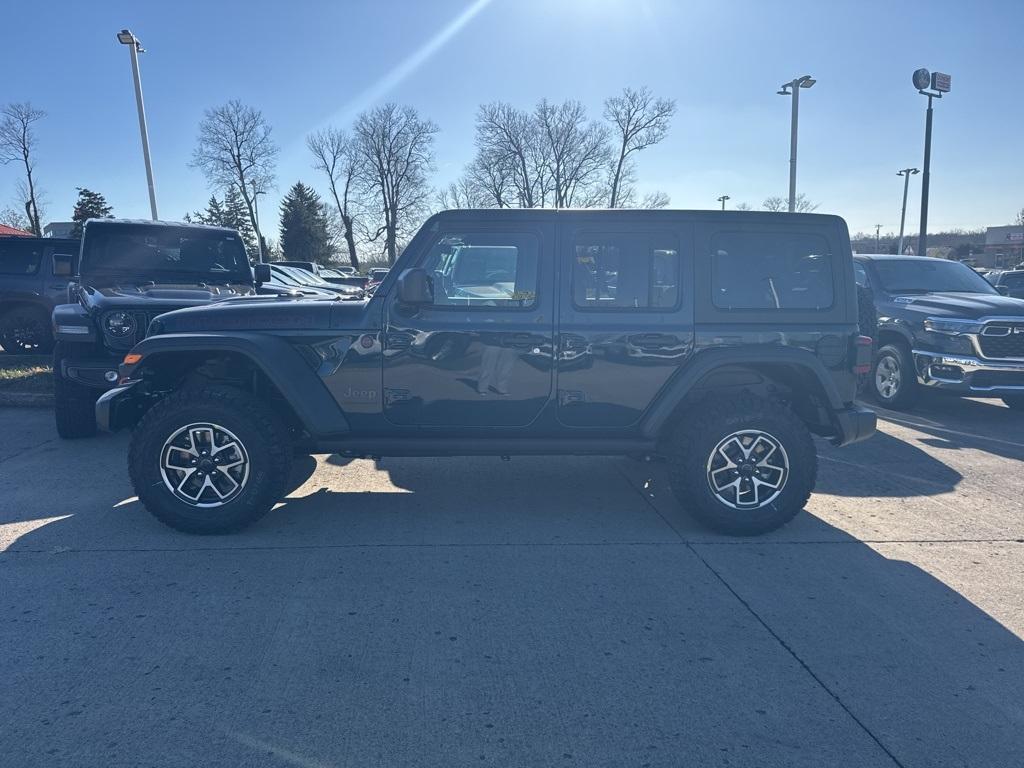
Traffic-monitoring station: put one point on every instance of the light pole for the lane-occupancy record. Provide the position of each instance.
(878, 228)
(722, 200)
(784, 90)
(125, 37)
(939, 83)
(906, 173)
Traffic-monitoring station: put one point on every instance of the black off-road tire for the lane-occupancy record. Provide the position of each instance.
(262, 434)
(1016, 402)
(74, 404)
(695, 439)
(26, 330)
(903, 396)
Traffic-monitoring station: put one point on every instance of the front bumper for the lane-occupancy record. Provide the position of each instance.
(118, 408)
(98, 373)
(853, 424)
(967, 375)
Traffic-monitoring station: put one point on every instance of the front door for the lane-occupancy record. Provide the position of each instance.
(480, 355)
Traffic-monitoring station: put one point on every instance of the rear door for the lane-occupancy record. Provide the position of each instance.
(626, 316)
(480, 356)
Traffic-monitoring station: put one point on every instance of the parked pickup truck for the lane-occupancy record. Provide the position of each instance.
(720, 341)
(942, 326)
(34, 275)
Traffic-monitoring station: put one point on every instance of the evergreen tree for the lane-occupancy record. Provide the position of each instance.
(231, 212)
(90, 205)
(304, 235)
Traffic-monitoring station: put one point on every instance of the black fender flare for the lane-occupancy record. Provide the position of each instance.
(705, 362)
(900, 327)
(279, 361)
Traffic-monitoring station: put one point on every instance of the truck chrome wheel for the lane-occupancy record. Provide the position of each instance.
(204, 465)
(748, 469)
(887, 377)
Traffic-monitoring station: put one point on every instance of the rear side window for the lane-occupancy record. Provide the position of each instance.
(861, 274)
(771, 270)
(20, 258)
(623, 272)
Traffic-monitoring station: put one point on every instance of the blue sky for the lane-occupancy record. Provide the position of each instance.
(308, 64)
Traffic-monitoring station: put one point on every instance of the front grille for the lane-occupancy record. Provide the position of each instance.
(1008, 341)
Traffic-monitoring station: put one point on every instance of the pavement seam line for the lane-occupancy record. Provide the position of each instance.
(771, 631)
(796, 657)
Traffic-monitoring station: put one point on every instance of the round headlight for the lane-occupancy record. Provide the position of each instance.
(119, 324)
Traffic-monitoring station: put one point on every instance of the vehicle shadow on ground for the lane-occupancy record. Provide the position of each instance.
(959, 423)
(767, 623)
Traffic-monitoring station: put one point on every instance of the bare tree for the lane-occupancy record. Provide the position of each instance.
(638, 121)
(235, 149)
(803, 205)
(11, 217)
(18, 144)
(510, 156)
(576, 151)
(657, 199)
(337, 155)
(397, 146)
(743, 207)
(1019, 221)
(464, 192)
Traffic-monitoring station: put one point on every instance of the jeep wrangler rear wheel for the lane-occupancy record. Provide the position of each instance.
(26, 331)
(742, 465)
(893, 378)
(74, 404)
(209, 460)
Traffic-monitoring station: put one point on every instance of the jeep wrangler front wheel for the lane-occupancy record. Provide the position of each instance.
(209, 460)
(742, 465)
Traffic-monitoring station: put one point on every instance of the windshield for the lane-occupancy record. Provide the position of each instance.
(930, 276)
(151, 252)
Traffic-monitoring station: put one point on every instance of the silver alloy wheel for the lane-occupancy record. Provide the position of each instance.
(204, 465)
(748, 469)
(888, 377)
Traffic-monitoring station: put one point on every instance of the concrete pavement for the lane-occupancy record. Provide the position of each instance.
(535, 612)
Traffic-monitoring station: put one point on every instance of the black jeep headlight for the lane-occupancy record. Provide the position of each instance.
(119, 324)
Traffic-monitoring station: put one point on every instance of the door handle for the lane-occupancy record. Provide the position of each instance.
(522, 340)
(653, 339)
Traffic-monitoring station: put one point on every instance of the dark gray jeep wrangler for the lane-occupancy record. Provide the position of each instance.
(718, 341)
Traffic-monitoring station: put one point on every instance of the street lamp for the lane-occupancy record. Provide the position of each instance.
(785, 90)
(722, 200)
(906, 173)
(125, 37)
(939, 83)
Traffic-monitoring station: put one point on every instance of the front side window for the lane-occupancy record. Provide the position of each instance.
(20, 258)
(771, 270)
(622, 272)
(861, 274)
(484, 269)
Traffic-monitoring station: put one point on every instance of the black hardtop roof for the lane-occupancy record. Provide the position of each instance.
(33, 239)
(640, 213)
(150, 223)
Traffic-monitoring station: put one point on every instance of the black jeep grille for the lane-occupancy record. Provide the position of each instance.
(1008, 344)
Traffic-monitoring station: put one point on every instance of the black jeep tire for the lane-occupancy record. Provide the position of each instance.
(74, 404)
(719, 420)
(264, 444)
(1016, 402)
(26, 331)
(900, 389)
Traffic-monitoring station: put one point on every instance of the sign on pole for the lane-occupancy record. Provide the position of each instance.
(941, 82)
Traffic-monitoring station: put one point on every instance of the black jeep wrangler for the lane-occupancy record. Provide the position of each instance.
(34, 275)
(128, 273)
(719, 341)
(942, 326)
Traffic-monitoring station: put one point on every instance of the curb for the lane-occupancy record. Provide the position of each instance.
(26, 399)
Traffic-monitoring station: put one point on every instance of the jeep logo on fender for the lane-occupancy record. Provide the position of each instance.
(362, 395)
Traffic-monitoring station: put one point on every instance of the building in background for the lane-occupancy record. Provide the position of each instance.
(58, 229)
(1004, 247)
(6, 231)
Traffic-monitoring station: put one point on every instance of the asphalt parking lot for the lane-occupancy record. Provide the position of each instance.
(538, 612)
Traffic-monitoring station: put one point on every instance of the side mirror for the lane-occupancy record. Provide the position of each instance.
(261, 271)
(1003, 290)
(415, 287)
(63, 265)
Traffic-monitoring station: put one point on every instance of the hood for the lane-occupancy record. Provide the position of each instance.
(254, 313)
(156, 295)
(970, 306)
